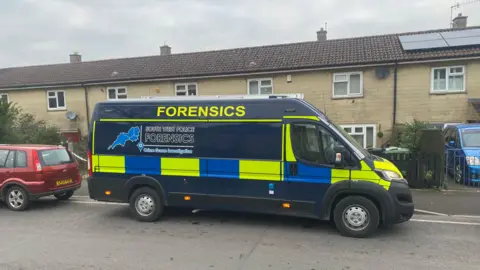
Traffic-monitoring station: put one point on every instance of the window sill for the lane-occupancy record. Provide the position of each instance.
(348, 97)
(57, 109)
(447, 92)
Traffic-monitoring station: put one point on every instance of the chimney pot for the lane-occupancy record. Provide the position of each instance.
(165, 50)
(75, 58)
(460, 21)
(322, 35)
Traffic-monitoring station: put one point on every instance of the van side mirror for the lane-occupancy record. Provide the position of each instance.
(451, 143)
(341, 154)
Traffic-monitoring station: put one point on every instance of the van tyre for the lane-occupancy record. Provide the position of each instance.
(146, 205)
(17, 199)
(64, 195)
(356, 216)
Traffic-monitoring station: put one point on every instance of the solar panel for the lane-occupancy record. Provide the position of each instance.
(466, 41)
(461, 34)
(421, 37)
(429, 44)
(446, 39)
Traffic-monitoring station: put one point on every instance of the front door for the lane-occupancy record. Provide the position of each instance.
(310, 158)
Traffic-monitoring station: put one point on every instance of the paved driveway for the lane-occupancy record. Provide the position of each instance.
(84, 235)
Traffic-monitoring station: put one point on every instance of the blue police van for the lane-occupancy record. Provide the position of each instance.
(274, 154)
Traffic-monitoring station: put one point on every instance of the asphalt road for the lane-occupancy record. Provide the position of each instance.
(81, 234)
(448, 202)
(464, 202)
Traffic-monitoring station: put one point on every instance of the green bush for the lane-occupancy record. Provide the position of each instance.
(408, 135)
(18, 127)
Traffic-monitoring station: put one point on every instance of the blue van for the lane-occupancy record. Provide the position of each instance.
(462, 147)
(272, 154)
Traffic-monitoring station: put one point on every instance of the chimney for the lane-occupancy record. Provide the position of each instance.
(460, 21)
(165, 50)
(75, 58)
(322, 35)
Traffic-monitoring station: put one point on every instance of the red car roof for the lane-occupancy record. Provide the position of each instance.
(29, 146)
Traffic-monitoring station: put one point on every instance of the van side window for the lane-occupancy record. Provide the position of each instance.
(449, 135)
(21, 159)
(305, 143)
(314, 144)
(3, 157)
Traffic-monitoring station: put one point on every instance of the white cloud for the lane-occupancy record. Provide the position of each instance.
(47, 31)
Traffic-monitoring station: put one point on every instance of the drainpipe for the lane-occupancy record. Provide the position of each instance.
(395, 71)
(87, 108)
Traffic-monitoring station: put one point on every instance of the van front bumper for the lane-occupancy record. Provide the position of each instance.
(403, 206)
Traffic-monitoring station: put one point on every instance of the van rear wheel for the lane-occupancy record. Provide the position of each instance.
(356, 216)
(146, 205)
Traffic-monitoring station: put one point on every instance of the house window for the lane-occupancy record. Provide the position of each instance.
(260, 87)
(117, 93)
(448, 79)
(364, 134)
(4, 98)
(186, 89)
(56, 100)
(348, 84)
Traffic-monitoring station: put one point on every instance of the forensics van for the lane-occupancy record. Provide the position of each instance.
(274, 154)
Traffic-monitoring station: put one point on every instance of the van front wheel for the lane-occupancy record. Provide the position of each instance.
(146, 204)
(356, 216)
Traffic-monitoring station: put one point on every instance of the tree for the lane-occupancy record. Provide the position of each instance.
(19, 127)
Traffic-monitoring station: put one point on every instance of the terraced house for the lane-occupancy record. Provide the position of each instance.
(367, 84)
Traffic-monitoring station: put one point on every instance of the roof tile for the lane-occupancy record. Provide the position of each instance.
(302, 55)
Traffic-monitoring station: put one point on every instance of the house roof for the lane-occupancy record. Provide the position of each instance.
(302, 55)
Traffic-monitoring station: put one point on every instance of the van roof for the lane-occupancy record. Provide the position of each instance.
(465, 126)
(256, 107)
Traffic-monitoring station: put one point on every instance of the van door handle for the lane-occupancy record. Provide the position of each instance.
(293, 168)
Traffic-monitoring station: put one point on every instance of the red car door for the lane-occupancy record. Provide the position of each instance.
(24, 167)
(6, 165)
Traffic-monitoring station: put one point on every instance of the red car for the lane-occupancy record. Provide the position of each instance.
(28, 172)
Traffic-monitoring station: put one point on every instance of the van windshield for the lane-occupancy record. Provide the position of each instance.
(352, 140)
(471, 137)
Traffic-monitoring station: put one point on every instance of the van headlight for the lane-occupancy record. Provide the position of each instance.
(473, 161)
(389, 175)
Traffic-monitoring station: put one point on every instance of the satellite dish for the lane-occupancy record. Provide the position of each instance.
(71, 115)
(382, 72)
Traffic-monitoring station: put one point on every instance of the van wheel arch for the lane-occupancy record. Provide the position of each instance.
(137, 182)
(345, 194)
(372, 191)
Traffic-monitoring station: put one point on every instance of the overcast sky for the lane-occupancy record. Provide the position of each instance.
(46, 31)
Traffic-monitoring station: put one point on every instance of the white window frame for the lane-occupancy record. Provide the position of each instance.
(347, 74)
(4, 94)
(186, 88)
(58, 108)
(364, 133)
(447, 75)
(116, 92)
(259, 81)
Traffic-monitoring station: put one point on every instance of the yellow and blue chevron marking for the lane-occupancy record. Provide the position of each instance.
(193, 167)
(268, 170)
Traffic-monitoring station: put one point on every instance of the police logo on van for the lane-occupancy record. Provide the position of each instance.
(133, 135)
(157, 139)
